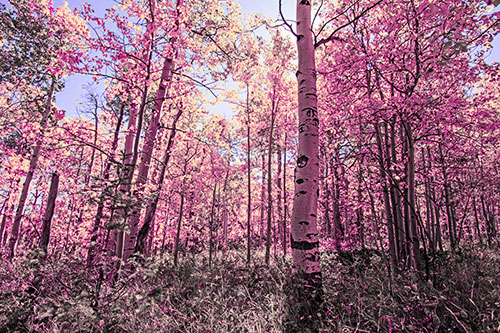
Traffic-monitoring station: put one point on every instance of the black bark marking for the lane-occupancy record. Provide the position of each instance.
(302, 192)
(300, 181)
(302, 128)
(313, 215)
(304, 245)
(311, 112)
(302, 161)
(315, 122)
(305, 2)
(298, 73)
(299, 37)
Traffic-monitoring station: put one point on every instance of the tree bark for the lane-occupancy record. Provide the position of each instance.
(178, 233)
(285, 203)
(16, 226)
(249, 179)
(153, 205)
(269, 183)
(278, 196)
(304, 234)
(127, 170)
(211, 228)
(387, 204)
(147, 152)
(414, 244)
(49, 212)
(100, 205)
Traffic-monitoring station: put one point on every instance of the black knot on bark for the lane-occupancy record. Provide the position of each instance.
(302, 161)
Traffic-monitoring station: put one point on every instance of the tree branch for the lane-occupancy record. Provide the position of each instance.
(357, 17)
(286, 22)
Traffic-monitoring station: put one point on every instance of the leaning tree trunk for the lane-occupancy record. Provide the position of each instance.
(49, 212)
(304, 234)
(147, 153)
(29, 176)
(153, 204)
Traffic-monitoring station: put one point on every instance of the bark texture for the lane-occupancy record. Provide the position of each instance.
(304, 234)
(49, 212)
(16, 226)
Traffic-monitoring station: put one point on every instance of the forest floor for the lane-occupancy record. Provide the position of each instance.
(61, 295)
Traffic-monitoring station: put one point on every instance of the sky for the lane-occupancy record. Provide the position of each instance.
(74, 88)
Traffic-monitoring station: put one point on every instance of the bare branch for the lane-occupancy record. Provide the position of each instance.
(357, 17)
(286, 22)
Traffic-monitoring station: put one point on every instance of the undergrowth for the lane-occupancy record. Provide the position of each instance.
(360, 296)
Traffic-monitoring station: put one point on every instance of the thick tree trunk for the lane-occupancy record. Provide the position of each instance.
(16, 226)
(49, 212)
(304, 232)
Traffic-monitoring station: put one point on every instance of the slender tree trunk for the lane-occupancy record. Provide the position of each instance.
(304, 232)
(328, 225)
(147, 152)
(263, 197)
(269, 183)
(178, 233)
(414, 244)
(249, 179)
(211, 228)
(396, 199)
(359, 210)
(100, 205)
(49, 212)
(338, 200)
(285, 203)
(16, 226)
(476, 219)
(278, 196)
(94, 145)
(7, 208)
(127, 170)
(387, 204)
(153, 204)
